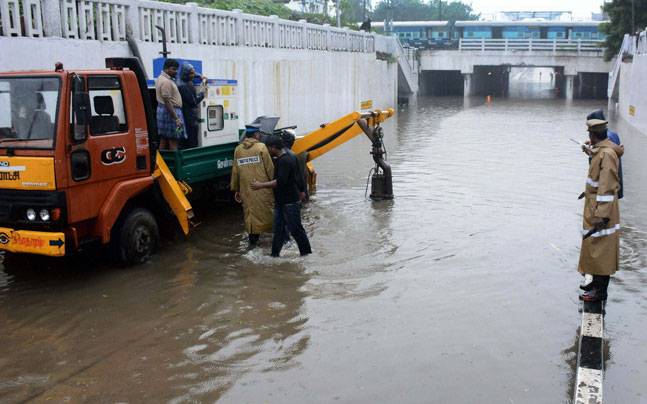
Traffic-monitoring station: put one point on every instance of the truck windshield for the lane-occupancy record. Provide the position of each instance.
(28, 109)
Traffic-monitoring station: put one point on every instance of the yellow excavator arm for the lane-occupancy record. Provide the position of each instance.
(335, 133)
(340, 131)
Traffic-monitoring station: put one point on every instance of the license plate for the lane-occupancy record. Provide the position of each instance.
(32, 242)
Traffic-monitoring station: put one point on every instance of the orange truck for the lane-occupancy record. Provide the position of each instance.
(79, 165)
(72, 173)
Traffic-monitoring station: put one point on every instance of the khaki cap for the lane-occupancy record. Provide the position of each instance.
(596, 124)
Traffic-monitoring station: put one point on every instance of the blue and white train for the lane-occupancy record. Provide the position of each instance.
(443, 34)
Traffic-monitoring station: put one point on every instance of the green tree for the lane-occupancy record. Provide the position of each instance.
(402, 10)
(419, 10)
(258, 7)
(454, 11)
(354, 11)
(625, 17)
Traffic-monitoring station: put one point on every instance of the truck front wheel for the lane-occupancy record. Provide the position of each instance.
(138, 237)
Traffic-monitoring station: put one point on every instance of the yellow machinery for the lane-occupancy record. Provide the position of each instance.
(335, 133)
(314, 144)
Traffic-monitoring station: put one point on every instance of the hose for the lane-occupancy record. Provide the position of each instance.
(370, 172)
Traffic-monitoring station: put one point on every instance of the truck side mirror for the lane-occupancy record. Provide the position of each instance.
(80, 110)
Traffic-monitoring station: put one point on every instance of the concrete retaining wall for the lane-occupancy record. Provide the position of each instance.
(632, 102)
(304, 87)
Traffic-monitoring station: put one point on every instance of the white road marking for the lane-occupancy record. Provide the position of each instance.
(589, 386)
(592, 325)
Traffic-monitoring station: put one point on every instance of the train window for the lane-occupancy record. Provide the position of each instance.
(470, 34)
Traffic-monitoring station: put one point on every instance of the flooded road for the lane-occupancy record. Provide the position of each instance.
(463, 289)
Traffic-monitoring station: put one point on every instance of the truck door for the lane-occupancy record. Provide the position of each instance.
(109, 152)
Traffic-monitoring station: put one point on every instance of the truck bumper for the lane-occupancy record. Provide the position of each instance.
(32, 242)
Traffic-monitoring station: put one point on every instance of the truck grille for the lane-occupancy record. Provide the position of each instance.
(5, 212)
(14, 202)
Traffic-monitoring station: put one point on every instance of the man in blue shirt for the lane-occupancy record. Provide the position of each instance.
(613, 136)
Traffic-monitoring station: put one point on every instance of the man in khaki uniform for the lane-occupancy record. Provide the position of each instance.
(599, 255)
(253, 163)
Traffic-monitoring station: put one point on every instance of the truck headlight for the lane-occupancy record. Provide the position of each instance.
(44, 215)
(31, 214)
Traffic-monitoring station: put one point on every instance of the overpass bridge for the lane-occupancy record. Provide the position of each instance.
(480, 63)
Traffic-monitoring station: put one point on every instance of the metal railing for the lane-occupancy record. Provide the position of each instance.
(530, 45)
(112, 20)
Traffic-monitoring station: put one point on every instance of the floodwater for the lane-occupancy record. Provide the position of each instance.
(461, 290)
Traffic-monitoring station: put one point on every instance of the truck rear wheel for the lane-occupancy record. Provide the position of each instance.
(138, 237)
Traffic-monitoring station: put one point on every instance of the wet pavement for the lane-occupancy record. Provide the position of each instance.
(463, 289)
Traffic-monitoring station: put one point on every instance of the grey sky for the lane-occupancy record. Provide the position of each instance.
(578, 7)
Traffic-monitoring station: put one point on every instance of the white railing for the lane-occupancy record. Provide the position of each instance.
(641, 43)
(290, 35)
(257, 31)
(112, 20)
(217, 27)
(21, 18)
(408, 63)
(631, 45)
(626, 49)
(530, 45)
(104, 20)
(153, 14)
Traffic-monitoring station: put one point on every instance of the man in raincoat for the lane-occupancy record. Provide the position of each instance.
(252, 162)
(599, 255)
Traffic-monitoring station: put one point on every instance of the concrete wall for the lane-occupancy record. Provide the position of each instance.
(632, 102)
(304, 87)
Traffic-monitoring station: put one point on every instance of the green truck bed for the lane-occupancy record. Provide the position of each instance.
(201, 163)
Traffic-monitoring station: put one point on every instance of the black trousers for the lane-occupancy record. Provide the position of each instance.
(289, 216)
(253, 239)
(601, 282)
(192, 137)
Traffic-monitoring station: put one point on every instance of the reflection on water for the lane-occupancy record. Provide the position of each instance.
(532, 82)
(467, 278)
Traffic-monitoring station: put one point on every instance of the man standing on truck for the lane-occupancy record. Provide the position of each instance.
(191, 99)
(287, 210)
(252, 162)
(170, 121)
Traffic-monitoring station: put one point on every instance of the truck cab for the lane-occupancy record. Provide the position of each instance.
(76, 163)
